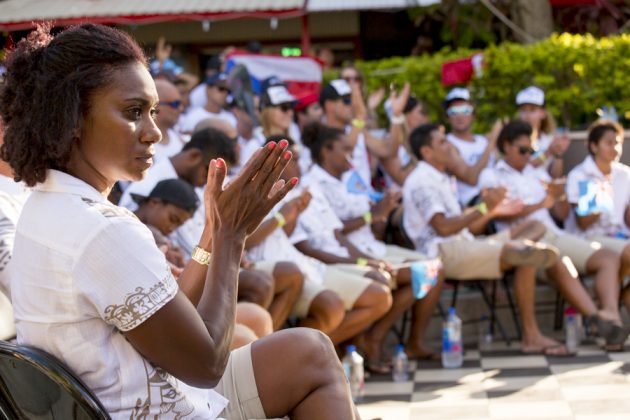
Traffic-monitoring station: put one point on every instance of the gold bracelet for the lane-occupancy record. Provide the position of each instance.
(201, 255)
(367, 218)
(280, 218)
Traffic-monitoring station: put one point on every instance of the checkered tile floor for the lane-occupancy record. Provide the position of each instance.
(502, 383)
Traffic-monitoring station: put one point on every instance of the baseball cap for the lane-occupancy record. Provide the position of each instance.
(531, 95)
(216, 79)
(457, 94)
(336, 89)
(174, 191)
(276, 95)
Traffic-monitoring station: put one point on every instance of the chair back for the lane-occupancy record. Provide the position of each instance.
(34, 384)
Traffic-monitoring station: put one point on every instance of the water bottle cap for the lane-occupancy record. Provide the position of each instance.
(400, 348)
(451, 311)
(351, 348)
(570, 311)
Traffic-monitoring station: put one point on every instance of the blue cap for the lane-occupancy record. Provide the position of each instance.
(217, 79)
(451, 311)
(400, 348)
(351, 348)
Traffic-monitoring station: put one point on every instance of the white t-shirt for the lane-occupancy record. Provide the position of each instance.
(427, 192)
(616, 185)
(541, 145)
(305, 160)
(317, 225)
(13, 195)
(189, 121)
(347, 206)
(361, 159)
(198, 96)
(165, 150)
(98, 273)
(527, 185)
(471, 153)
(248, 147)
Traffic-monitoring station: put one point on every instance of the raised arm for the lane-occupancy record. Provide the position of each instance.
(189, 337)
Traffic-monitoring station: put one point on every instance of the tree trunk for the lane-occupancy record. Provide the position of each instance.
(534, 17)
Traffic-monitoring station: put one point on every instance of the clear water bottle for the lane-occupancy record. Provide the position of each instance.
(400, 371)
(572, 327)
(484, 330)
(452, 348)
(353, 367)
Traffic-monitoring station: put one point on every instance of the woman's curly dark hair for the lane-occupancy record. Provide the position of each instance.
(317, 136)
(47, 92)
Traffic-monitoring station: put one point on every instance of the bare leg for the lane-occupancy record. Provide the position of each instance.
(528, 229)
(254, 317)
(423, 310)
(288, 282)
(525, 291)
(373, 303)
(255, 286)
(605, 264)
(242, 336)
(301, 366)
(325, 313)
(563, 273)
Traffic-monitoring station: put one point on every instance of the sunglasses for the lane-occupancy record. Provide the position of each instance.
(525, 150)
(285, 107)
(353, 78)
(347, 100)
(173, 104)
(223, 89)
(460, 110)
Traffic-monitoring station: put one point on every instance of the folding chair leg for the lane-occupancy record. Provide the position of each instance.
(454, 297)
(558, 320)
(493, 319)
(512, 308)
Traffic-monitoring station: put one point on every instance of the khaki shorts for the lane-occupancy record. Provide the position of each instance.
(578, 250)
(614, 244)
(397, 255)
(238, 385)
(473, 259)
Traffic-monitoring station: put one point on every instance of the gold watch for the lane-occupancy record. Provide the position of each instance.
(201, 255)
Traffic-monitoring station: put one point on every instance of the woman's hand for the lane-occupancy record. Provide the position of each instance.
(241, 205)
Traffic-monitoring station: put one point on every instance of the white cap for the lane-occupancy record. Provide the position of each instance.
(458, 93)
(531, 95)
(279, 95)
(341, 86)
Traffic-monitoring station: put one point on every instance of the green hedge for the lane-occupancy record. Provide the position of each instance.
(579, 73)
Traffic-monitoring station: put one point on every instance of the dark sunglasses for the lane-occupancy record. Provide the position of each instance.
(173, 104)
(353, 78)
(223, 89)
(524, 150)
(285, 107)
(346, 100)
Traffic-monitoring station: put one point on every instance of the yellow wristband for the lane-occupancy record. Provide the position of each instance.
(362, 262)
(280, 218)
(367, 218)
(201, 255)
(358, 123)
(482, 208)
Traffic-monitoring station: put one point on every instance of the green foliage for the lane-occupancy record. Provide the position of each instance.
(579, 73)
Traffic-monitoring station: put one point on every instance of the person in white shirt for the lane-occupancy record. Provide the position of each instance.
(436, 223)
(171, 107)
(112, 295)
(344, 109)
(217, 91)
(471, 152)
(604, 216)
(360, 218)
(543, 198)
(550, 147)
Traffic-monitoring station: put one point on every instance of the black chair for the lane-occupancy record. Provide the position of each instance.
(35, 384)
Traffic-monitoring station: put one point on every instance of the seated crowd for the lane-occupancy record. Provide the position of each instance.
(466, 206)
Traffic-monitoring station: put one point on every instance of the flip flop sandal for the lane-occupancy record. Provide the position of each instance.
(548, 351)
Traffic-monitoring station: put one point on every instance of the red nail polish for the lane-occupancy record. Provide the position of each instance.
(294, 181)
(287, 155)
(271, 145)
(283, 143)
(220, 163)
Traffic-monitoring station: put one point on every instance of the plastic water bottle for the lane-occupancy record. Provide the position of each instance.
(452, 348)
(572, 325)
(400, 371)
(353, 367)
(484, 333)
